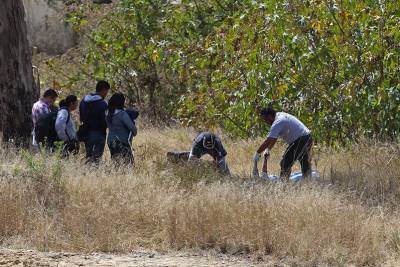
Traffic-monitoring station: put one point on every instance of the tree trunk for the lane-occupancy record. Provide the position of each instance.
(17, 90)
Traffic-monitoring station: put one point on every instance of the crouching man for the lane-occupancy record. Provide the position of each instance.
(209, 143)
(295, 134)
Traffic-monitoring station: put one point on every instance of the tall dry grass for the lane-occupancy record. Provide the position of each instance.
(348, 217)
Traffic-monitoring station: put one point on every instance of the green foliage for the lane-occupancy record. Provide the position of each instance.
(335, 64)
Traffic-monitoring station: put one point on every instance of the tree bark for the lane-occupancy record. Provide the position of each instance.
(17, 90)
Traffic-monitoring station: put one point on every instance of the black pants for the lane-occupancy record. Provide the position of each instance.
(70, 147)
(299, 150)
(121, 152)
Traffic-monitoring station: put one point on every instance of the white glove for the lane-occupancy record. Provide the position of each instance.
(264, 175)
(266, 154)
(256, 157)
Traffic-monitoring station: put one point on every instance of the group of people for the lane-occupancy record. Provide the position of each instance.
(283, 125)
(96, 116)
(53, 125)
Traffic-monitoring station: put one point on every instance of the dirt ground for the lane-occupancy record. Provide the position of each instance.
(21, 258)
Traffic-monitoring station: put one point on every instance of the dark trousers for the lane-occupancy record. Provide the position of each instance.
(299, 150)
(70, 147)
(121, 152)
(94, 146)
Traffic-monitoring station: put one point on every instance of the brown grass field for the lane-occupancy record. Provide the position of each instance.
(348, 217)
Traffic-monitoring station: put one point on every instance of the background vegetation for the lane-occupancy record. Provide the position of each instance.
(334, 64)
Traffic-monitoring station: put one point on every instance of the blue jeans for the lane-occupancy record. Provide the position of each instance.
(95, 146)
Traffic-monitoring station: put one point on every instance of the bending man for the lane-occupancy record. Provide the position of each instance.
(209, 143)
(295, 134)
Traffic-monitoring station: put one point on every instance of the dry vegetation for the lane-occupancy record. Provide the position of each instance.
(349, 217)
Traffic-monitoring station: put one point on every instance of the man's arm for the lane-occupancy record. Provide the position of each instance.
(221, 152)
(195, 151)
(266, 146)
(268, 143)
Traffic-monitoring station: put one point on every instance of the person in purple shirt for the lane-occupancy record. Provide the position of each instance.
(42, 107)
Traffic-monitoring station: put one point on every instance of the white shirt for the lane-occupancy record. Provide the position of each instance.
(288, 127)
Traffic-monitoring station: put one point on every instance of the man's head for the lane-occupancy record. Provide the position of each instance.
(50, 96)
(268, 115)
(209, 141)
(102, 88)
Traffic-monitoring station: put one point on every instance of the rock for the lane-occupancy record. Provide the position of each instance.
(47, 30)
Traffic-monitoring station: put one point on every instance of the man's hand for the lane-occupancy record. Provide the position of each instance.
(268, 144)
(256, 157)
(266, 154)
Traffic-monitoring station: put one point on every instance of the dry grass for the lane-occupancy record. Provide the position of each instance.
(48, 203)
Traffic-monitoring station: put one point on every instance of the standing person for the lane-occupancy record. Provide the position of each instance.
(209, 143)
(121, 130)
(65, 125)
(93, 131)
(295, 134)
(43, 106)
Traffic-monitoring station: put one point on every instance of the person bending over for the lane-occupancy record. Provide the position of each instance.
(295, 134)
(209, 143)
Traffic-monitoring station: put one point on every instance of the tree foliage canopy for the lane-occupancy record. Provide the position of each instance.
(334, 64)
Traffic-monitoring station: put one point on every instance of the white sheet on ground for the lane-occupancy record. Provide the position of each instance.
(296, 176)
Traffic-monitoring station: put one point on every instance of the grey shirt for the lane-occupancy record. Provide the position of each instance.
(120, 128)
(65, 126)
(288, 127)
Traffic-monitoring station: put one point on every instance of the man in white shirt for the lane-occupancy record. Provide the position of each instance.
(295, 134)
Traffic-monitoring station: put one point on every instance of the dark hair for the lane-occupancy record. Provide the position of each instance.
(268, 112)
(102, 85)
(50, 93)
(117, 101)
(68, 101)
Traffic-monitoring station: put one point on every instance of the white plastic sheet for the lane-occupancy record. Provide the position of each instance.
(294, 177)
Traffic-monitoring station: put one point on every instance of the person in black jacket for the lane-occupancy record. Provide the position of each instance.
(92, 111)
(209, 143)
